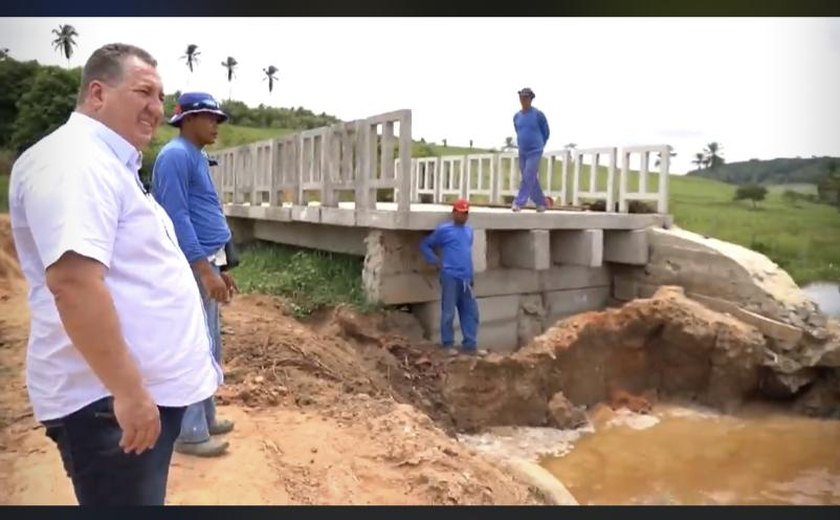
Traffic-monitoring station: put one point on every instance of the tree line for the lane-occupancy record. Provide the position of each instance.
(36, 99)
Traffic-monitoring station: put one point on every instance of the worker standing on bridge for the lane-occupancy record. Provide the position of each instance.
(182, 184)
(454, 239)
(532, 133)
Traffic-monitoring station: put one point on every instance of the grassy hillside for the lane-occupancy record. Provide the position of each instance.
(229, 135)
(774, 171)
(803, 239)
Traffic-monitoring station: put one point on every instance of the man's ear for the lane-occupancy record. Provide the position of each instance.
(95, 95)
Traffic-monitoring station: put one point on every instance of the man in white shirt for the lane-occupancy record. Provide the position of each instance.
(118, 345)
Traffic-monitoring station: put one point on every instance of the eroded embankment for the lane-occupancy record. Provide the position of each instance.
(666, 347)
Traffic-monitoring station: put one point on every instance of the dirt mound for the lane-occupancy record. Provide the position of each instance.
(668, 345)
(273, 359)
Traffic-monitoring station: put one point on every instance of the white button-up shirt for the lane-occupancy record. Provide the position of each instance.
(78, 190)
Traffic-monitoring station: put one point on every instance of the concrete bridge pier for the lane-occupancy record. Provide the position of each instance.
(525, 280)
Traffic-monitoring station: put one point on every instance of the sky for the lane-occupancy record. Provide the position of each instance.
(761, 87)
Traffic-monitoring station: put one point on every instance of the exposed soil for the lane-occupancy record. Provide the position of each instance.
(666, 346)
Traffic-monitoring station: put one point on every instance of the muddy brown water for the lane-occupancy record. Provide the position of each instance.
(687, 456)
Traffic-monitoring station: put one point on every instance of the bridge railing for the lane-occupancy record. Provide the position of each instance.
(322, 164)
(369, 160)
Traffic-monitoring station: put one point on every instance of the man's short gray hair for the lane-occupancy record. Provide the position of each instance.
(106, 65)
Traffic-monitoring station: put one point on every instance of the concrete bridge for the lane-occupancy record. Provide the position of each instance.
(354, 188)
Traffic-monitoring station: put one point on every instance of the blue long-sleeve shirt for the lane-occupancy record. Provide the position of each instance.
(531, 130)
(182, 185)
(455, 244)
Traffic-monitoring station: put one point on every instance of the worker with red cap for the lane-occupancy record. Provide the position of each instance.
(454, 240)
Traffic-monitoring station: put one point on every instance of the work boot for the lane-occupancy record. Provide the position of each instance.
(220, 427)
(209, 448)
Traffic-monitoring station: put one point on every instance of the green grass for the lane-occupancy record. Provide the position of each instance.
(800, 187)
(802, 239)
(307, 279)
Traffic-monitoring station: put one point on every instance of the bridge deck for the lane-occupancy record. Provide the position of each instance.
(425, 216)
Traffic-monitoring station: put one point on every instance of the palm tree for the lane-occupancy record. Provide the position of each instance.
(570, 145)
(659, 158)
(4, 53)
(509, 144)
(191, 57)
(699, 160)
(270, 76)
(64, 41)
(230, 64)
(714, 157)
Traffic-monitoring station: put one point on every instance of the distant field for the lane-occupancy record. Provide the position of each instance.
(804, 240)
(804, 188)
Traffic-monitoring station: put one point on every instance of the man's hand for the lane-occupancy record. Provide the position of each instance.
(139, 419)
(230, 283)
(212, 282)
(215, 287)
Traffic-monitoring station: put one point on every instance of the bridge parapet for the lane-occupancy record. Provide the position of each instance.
(369, 161)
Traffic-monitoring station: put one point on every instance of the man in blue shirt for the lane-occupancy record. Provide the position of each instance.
(531, 135)
(454, 239)
(182, 185)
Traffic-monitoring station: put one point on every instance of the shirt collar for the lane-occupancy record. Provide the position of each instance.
(125, 151)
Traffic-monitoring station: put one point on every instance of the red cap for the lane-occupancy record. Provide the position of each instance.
(461, 206)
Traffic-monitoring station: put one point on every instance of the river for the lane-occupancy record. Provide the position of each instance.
(677, 455)
(681, 455)
(764, 454)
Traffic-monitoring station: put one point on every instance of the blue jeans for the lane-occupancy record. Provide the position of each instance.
(102, 474)
(529, 186)
(200, 416)
(457, 294)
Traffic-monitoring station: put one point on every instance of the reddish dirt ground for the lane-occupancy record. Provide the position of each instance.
(321, 411)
